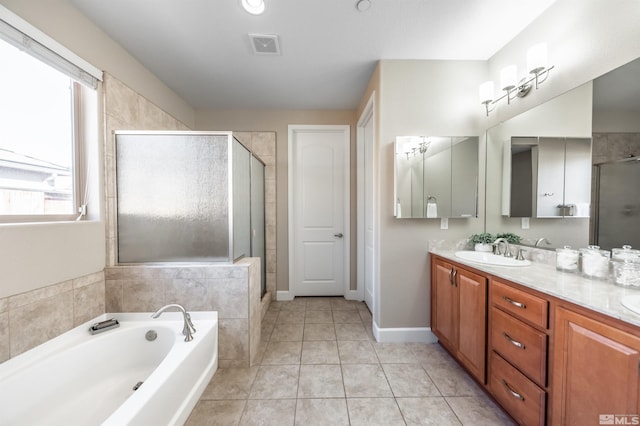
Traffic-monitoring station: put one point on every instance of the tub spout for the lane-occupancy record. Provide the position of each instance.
(188, 329)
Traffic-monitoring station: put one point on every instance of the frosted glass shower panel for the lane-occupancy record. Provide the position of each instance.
(173, 197)
(241, 201)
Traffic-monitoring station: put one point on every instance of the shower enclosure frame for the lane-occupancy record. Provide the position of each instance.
(229, 257)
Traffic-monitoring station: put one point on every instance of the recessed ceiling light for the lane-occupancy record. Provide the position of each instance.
(254, 7)
(363, 5)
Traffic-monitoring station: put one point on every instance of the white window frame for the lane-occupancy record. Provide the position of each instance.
(47, 50)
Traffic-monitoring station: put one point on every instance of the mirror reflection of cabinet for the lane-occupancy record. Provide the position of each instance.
(436, 177)
(544, 177)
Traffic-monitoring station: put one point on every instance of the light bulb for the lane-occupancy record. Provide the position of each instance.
(486, 92)
(508, 77)
(254, 7)
(537, 58)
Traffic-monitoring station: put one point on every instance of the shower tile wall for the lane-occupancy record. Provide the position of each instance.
(614, 146)
(127, 110)
(124, 109)
(232, 290)
(29, 319)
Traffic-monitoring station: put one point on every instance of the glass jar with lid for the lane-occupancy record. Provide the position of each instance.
(626, 266)
(567, 259)
(595, 262)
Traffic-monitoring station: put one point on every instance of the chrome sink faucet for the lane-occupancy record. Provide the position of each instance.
(507, 249)
(540, 241)
(188, 329)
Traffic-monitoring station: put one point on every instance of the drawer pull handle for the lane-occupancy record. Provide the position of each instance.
(513, 342)
(451, 276)
(511, 391)
(455, 277)
(514, 303)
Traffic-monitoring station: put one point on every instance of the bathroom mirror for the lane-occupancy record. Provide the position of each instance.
(544, 176)
(436, 177)
(605, 111)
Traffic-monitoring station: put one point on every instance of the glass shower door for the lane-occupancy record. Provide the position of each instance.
(618, 209)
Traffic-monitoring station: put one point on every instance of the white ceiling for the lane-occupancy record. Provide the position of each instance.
(201, 48)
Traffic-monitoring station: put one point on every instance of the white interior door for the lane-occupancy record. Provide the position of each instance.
(318, 210)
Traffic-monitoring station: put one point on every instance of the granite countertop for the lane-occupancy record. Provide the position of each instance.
(599, 296)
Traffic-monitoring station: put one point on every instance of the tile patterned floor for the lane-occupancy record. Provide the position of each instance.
(320, 365)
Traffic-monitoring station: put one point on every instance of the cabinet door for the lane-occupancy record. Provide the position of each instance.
(550, 191)
(577, 172)
(595, 371)
(444, 305)
(472, 308)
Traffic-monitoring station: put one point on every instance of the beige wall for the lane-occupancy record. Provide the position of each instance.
(278, 121)
(418, 98)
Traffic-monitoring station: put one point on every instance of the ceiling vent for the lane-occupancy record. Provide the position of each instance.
(265, 44)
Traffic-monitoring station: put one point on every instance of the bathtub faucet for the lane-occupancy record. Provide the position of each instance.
(188, 329)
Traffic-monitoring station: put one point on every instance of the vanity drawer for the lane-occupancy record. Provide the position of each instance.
(523, 305)
(522, 398)
(520, 344)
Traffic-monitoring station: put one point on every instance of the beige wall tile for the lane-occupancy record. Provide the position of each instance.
(271, 260)
(255, 311)
(39, 294)
(227, 271)
(5, 353)
(88, 302)
(37, 322)
(88, 279)
(233, 340)
(193, 294)
(113, 296)
(263, 143)
(229, 297)
(4, 304)
(244, 138)
(120, 101)
(142, 296)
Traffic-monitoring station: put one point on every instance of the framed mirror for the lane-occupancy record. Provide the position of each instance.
(436, 177)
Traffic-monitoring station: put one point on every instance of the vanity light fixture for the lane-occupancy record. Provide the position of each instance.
(254, 7)
(416, 146)
(538, 74)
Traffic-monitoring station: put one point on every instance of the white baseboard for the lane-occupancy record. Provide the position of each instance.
(284, 295)
(404, 334)
(353, 295)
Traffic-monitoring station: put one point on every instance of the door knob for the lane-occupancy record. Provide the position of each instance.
(339, 235)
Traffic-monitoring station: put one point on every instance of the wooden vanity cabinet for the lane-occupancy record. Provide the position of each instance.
(596, 369)
(518, 342)
(548, 361)
(458, 314)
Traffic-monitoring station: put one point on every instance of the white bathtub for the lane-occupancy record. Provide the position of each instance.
(83, 379)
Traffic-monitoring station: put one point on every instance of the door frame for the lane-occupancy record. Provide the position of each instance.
(368, 113)
(345, 129)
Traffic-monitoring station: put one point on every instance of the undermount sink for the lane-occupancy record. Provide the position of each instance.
(632, 303)
(490, 258)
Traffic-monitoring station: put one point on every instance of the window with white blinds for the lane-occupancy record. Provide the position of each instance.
(43, 95)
